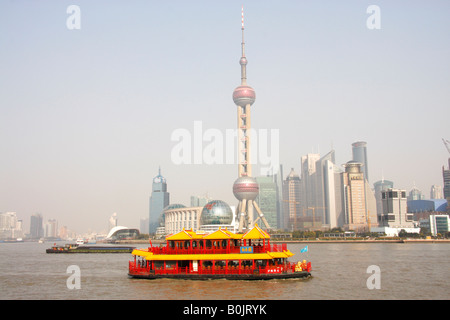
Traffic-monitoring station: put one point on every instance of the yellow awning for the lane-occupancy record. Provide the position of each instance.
(256, 233)
(222, 234)
(184, 235)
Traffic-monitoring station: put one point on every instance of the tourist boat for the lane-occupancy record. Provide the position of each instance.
(218, 255)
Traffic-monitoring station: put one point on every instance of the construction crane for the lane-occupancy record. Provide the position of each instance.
(447, 144)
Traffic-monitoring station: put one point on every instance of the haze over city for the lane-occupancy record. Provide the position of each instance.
(88, 114)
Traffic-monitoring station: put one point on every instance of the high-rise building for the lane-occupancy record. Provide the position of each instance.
(415, 194)
(333, 195)
(51, 229)
(158, 201)
(380, 186)
(267, 199)
(446, 178)
(36, 226)
(359, 151)
(436, 192)
(112, 222)
(292, 212)
(245, 188)
(322, 191)
(198, 201)
(395, 212)
(360, 205)
(278, 179)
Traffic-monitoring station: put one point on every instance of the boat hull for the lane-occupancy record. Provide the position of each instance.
(254, 276)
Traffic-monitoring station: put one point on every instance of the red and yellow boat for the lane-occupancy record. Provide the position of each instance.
(218, 255)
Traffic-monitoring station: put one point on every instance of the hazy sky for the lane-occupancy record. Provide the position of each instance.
(87, 115)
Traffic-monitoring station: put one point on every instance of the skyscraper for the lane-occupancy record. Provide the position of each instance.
(36, 226)
(292, 212)
(360, 210)
(446, 178)
(158, 201)
(245, 188)
(379, 187)
(359, 151)
(267, 199)
(436, 192)
(321, 192)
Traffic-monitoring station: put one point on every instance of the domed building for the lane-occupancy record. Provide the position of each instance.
(217, 214)
(177, 217)
(161, 230)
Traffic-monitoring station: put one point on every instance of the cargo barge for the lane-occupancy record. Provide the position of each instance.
(75, 248)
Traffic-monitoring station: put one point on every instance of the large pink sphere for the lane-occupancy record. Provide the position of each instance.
(246, 188)
(244, 95)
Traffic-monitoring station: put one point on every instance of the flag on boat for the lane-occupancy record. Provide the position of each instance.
(305, 249)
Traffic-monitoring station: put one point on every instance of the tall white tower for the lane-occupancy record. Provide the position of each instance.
(246, 187)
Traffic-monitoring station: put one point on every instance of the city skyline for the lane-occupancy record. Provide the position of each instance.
(88, 114)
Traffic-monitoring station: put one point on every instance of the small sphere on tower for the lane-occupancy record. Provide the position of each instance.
(244, 95)
(246, 188)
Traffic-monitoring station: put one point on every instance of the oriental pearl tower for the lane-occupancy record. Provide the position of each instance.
(245, 188)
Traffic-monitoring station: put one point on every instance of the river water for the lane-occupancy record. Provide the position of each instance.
(406, 271)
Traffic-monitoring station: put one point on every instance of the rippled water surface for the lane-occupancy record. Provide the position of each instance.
(408, 271)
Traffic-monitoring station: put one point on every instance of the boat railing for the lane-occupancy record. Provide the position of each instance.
(136, 268)
(216, 250)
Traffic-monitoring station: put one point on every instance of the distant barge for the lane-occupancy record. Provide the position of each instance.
(75, 248)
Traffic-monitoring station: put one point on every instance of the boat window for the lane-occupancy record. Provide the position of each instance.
(224, 243)
(208, 244)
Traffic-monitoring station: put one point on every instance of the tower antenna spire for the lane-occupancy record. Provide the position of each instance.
(243, 60)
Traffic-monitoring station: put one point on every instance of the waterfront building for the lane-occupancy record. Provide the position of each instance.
(359, 151)
(122, 233)
(432, 205)
(436, 224)
(245, 188)
(10, 226)
(36, 226)
(360, 205)
(292, 202)
(158, 201)
(267, 199)
(436, 192)
(395, 214)
(179, 217)
(379, 186)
